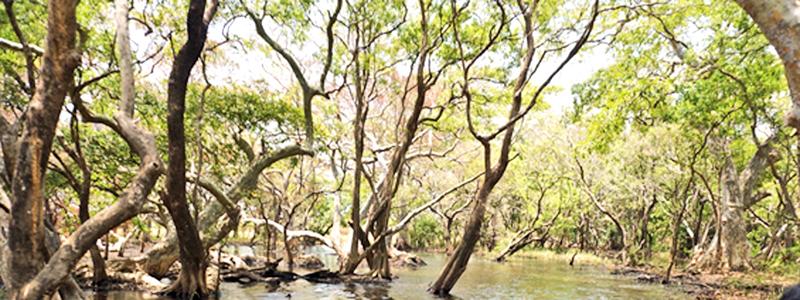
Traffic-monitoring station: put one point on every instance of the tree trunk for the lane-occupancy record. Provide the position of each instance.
(380, 267)
(352, 262)
(161, 256)
(457, 263)
(517, 244)
(26, 252)
(448, 236)
(779, 20)
(645, 239)
(730, 250)
(733, 238)
(191, 281)
(527, 237)
(379, 222)
(53, 84)
(287, 246)
(336, 228)
(673, 251)
(99, 278)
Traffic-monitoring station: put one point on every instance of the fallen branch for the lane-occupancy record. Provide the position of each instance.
(292, 234)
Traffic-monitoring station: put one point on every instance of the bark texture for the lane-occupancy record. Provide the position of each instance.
(729, 249)
(779, 20)
(53, 84)
(26, 252)
(193, 256)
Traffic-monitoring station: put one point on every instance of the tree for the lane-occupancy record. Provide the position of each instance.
(45, 277)
(191, 281)
(729, 251)
(716, 95)
(457, 263)
(26, 252)
(778, 20)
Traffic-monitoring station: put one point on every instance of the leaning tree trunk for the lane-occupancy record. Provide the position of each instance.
(779, 20)
(448, 237)
(191, 281)
(527, 236)
(457, 263)
(517, 244)
(161, 256)
(55, 274)
(676, 227)
(379, 223)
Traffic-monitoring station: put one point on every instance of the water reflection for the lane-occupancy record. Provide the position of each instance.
(515, 279)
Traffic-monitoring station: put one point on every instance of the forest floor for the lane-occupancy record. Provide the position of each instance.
(731, 285)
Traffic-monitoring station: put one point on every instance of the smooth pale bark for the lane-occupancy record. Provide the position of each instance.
(11, 45)
(292, 234)
(733, 238)
(729, 249)
(737, 196)
(779, 20)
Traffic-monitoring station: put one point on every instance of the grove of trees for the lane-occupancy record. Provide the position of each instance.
(139, 138)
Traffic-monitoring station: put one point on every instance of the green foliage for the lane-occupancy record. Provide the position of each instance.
(425, 232)
(688, 83)
(258, 112)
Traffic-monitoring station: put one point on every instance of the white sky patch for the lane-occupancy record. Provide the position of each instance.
(256, 63)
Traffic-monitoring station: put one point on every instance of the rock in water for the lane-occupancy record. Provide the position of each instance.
(309, 262)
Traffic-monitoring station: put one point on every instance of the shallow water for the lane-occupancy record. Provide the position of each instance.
(484, 279)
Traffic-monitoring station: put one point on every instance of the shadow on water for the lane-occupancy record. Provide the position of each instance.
(484, 279)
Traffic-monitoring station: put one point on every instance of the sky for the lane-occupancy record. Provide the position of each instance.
(258, 64)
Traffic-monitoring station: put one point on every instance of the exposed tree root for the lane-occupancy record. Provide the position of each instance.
(190, 285)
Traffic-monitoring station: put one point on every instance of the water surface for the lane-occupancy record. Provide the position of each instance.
(483, 279)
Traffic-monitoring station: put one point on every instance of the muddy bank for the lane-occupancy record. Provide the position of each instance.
(708, 286)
